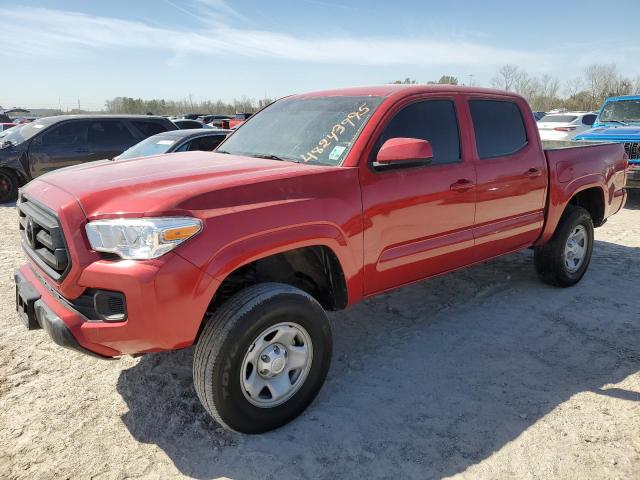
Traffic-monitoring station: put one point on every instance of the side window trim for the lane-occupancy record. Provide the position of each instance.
(457, 114)
(526, 143)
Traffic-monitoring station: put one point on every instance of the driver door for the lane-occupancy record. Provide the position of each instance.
(418, 220)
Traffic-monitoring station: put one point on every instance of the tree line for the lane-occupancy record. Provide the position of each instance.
(128, 105)
(586, 91)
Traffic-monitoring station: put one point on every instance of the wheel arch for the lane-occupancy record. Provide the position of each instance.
(589, 194)
(592, 199)
(314, 268)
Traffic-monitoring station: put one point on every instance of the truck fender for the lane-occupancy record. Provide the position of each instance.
(264, 244)
(560, 196)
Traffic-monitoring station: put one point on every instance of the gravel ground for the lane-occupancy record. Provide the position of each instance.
(484, 373)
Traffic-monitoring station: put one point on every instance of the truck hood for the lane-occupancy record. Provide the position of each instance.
(621, 133)
(168, 184)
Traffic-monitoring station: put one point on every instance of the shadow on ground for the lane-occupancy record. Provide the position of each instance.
(425, 382)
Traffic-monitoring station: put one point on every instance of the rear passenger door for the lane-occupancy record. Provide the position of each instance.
(511, 176)
(108, 138)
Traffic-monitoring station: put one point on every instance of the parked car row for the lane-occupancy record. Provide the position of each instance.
(565, 126)
(194, 120)
(32, 149)
(619, 121)
(176, 141)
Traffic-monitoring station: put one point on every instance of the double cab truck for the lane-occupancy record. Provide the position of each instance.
(319, 201)
(619, 121)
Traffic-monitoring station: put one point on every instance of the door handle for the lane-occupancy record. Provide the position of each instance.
(462, 185)
(533, 173)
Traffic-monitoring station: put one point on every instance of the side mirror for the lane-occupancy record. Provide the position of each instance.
(408, 151)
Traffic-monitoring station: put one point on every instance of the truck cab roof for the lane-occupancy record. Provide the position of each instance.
(401, 90)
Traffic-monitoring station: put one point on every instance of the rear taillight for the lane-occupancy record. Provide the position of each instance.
(564, 129)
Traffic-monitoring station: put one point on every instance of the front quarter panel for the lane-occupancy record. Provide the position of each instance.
(241, 226)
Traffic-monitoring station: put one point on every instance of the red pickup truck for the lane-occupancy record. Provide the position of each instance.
(318, 201)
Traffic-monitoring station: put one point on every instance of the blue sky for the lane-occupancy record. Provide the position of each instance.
(59, 52)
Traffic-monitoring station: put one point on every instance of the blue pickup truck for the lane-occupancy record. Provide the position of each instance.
(619, 121)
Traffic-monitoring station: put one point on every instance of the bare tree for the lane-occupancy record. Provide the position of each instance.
(507, 78)
(573, 86)
(601, 81)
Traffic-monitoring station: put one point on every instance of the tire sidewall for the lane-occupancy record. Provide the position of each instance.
(575, 218)
(232, 406)
(13, 186)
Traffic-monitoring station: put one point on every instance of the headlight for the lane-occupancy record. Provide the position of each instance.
(141, 238)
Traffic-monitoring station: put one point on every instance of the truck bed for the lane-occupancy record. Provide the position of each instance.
(564, 144)
(575, 166)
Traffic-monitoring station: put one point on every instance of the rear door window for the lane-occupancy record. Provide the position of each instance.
(499, 127)
(109, 132)
(588, 119)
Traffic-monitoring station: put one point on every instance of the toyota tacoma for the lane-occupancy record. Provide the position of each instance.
(319, 201)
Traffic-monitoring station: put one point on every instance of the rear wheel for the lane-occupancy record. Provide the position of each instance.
(262, 358)
(564, 259)
(8, 186)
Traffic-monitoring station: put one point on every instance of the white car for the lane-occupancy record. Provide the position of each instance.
(565, 126)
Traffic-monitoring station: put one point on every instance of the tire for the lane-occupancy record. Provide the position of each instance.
(222, 357)
(8, 186)
(553, 265)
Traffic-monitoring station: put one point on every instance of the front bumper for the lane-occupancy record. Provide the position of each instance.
(36, 314)
(166, 302)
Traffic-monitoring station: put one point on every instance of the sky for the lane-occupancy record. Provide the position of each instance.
(64, 53)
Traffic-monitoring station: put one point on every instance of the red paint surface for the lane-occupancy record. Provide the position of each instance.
(387, 228)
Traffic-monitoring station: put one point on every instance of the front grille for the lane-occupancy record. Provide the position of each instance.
(633, 150)
(42, 238)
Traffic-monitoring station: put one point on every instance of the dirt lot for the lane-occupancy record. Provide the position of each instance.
(485, 373)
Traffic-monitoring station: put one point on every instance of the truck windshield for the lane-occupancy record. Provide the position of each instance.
(621, 111)
(310, 130)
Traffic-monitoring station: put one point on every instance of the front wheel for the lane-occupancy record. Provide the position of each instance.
(564, 259)
(262, 358)
(8, 185)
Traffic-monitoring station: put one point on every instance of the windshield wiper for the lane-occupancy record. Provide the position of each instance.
(269, 156)
(221, 151)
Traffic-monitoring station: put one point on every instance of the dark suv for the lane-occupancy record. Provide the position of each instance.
(46, 144)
